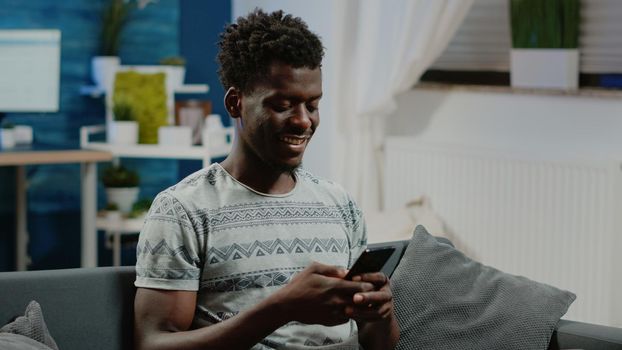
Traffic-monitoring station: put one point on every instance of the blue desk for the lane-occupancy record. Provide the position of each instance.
(20, 157)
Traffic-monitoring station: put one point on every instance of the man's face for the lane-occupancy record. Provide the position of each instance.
(280, 114)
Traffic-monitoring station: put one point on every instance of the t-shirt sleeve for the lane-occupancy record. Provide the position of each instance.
(167, 254)
(358, 235)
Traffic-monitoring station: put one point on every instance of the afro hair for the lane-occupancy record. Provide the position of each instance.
(250, 46)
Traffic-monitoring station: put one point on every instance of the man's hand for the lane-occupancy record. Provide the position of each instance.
(373, 305)
(320, 295)
(373, 312)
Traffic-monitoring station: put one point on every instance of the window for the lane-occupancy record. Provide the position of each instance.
(479, 51)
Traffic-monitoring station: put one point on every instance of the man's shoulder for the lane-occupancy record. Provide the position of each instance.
(188, 189)
(320, 184)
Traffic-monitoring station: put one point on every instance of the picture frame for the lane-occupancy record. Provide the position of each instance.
(192, 113)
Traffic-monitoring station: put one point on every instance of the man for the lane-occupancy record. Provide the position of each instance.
(251, 253)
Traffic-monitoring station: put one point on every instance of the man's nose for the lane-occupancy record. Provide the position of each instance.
(301, 118)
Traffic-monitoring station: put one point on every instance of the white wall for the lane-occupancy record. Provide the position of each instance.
(575, 127)
(320, 18)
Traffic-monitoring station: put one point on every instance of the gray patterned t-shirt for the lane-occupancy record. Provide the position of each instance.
(235, 246)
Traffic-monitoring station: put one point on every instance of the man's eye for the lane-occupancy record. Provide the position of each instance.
(311, 108)
(280, 108)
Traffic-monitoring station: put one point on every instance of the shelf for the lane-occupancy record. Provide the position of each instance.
(96, 91)
(157, 151)
(581, 92)
(125, 225)
(204, 153)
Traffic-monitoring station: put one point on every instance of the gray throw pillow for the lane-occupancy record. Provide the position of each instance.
(31, 325)
(445, 300)
(10, 341)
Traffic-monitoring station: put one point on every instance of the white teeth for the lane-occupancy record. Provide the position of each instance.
(292, 140)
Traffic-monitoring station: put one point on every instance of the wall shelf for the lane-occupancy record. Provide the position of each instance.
(203, 152)
(96, 91)
(581, 92)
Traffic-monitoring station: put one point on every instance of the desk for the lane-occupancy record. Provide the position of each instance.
(22, 156)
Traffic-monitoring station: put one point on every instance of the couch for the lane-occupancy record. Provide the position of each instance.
(92, 308)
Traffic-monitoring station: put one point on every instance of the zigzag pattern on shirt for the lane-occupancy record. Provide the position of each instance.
(167, 208)
(273, 247)
(209, 175)
(327, 341)
(256, 279)
(162, 248)
(307, 175)
(168, 274)
(273, 213)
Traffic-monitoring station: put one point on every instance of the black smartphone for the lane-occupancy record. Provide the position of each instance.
(371, 260)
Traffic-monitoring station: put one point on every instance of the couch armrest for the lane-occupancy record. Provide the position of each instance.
(579, 335)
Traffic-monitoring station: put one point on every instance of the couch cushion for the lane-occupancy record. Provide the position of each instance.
(88, 308)
(443, 299)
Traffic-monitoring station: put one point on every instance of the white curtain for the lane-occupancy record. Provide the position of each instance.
(382, 49)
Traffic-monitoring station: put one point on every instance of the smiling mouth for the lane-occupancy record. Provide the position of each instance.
(293, 140)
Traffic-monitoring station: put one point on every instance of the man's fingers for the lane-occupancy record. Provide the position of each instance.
(377, 278)
(374, 298)
(364, 313)
(350, 287)
(327, 270)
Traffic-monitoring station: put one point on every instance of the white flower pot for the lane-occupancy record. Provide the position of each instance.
(103, 70)
(180, 136)
(7, 138)
(123, 132)
(23, 134)
(545, 68)
(113, 216)
(123, 197)
(175, 76)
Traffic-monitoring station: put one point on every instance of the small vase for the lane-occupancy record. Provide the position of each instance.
(123, 132)
(175, 76)
(123, 197)
(7, 138)
(103, 70)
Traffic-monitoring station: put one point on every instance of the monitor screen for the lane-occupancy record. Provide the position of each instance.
(29, 70)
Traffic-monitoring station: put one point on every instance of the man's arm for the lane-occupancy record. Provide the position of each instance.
(374, 315)
(163, 318)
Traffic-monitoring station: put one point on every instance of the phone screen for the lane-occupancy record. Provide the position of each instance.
(371, 260)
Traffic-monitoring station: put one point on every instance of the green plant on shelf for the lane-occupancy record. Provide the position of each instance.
(112, 207)
(114, 19)
(173, 61)
(147, 95)
(140, 207)
(119, 176)
(122, 109)
(545, 23)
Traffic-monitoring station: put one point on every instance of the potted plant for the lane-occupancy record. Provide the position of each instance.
(124, 127)
(121, 186)
(105, 64)
(545, 43)
(7, 135)
(140, 208)
(112, 212)
(114, 19)
(175, 70)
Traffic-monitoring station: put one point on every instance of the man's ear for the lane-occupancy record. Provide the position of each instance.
(233, 102)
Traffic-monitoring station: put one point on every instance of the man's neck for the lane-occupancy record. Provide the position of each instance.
(256, 174)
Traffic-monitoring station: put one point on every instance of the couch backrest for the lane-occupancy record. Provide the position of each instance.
(83, 308)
